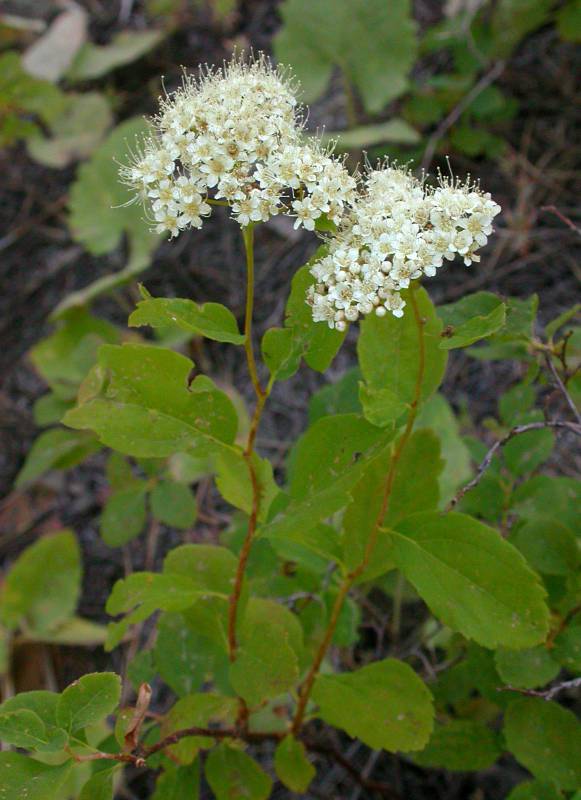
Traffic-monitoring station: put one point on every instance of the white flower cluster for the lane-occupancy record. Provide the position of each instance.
(234, 137)
(397, 230)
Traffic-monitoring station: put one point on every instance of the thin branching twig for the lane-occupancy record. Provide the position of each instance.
(487, 460)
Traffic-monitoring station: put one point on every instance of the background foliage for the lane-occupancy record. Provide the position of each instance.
(110, 517)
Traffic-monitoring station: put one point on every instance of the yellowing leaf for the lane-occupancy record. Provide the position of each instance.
(93, 60)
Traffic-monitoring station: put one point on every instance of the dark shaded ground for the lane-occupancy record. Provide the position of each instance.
(533, 251)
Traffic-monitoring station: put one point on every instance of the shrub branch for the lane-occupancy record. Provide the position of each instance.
(487, 460)
(307, 685)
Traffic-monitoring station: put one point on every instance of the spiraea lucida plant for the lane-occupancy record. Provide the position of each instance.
(475, 570)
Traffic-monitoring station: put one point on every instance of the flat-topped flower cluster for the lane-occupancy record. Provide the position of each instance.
(398, 229)
(236, 135)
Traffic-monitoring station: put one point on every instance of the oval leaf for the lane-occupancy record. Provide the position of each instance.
(385, 704)
(546, 739)
(473, 580)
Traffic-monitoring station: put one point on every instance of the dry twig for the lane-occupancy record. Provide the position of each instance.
(487, 460)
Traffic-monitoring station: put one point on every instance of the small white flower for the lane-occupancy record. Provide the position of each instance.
(216, 168)
(306, 213)
(192, 210)
(167, 221)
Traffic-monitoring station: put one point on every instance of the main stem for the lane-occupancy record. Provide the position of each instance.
(307, 686)
(248, 454)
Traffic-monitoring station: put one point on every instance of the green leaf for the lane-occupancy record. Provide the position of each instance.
(187, 469)
(412, 491)
(381, 407)
(166, 592)
(266, 664)
(262, 612)
(178, 783)
(388, 350)
(515, 404)
(93, 60)
(99, 786)
(548, 545)
(88, 700)
(146, 592)
(526, 669)
(148, 409)
(235, 483)
(535, 790)
(293, 768)
(281, 352)
(212, 320)
(49, 409)
(562, 319)
(29, 720)
(211, 567)
(233, 775)
(42, 703)
(212, 570)
(546, 739)
(460, 745)
(569, 21)
(64, 358)
(476, 141)
(317, 343)
(321, 540)
(394, 130)
(567, 649)
(473, 580)
(55, 449)
(183, 658)
(562, 495)
(474, 317)
(42, 588)
(23, 728)
(21, 96)
(196, 710)
(174, 504)
(512, 340)
(319, 488)
(75, 133)
(512, 20)
(100, 213)
(341, 397)
(385, 705)
(328, 448)
(118, 471)
(523, 454)
(437, 415)
(124, 514)
(22, 778)
(372, 43)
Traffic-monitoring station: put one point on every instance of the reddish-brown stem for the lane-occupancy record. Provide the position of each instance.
(243, 558)
(347, 583)
(138, 759)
